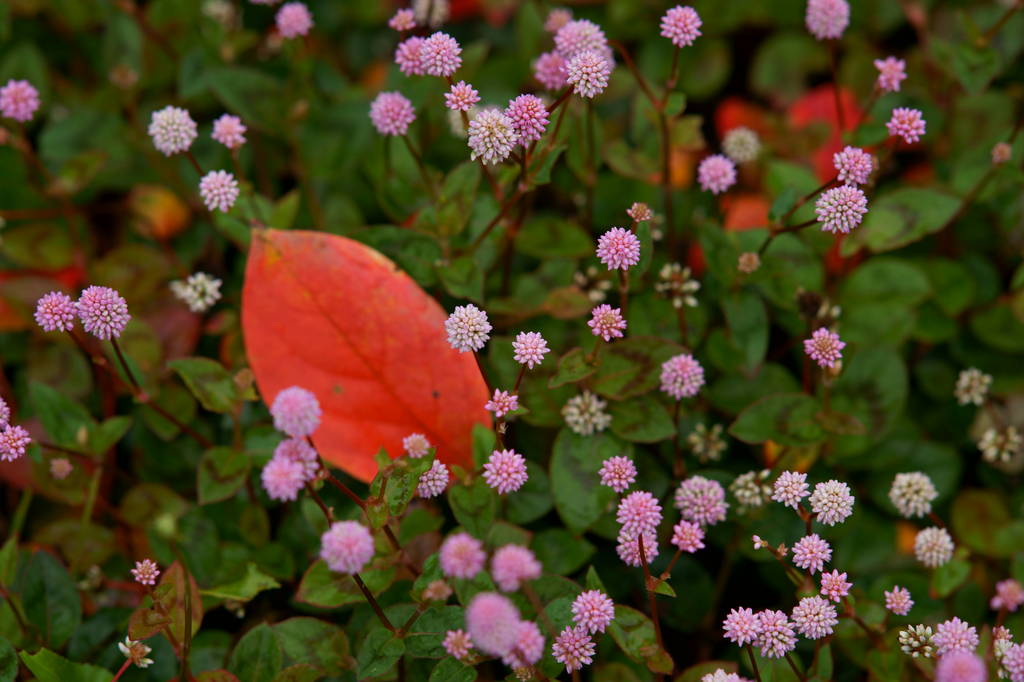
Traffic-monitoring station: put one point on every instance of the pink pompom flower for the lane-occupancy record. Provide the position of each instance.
(573, 648)
(403, 20)
(628, 548)
(961, 666)
(468, 328)
(581, 35)
(954, 635)
(681, 376)
(61, 468)
(501, 403)
(5, 414)
(556, 19)
(588, 73)
(462, 556)
(549, 70)
(898, 600)
(716, 173)
(811, 552)
(19, 100)
(529, 117)
(593, 610)
(701, 500)
(831, 502)
(890, 73)
(491, 136)
(681, 25)
(299, 450)
(505, 471)
(512, 565)
(391, 113)
(229, 131)
(293, 20)
(55, 312)
(618, 473)
(606, 322)
(814, 617)
(296, 412)
(789, 488)
(529, 348)
(461, 96)
(824, 347)
(906, 123)
(457, 644)
(1009, 595)
(439, 55)
(853, 165)
(1013, 662)
(283, 478)
(618, 248)
(688, 536)
(416, 445)
(433, 481)
(528, 648)
(493, 623)
(638, 512)
(172, 130)
(742, 626)
(841, 209)
(219, 190)
(776, 637)
(145, 572)
(834, 585)
(103, 312)
(347, 547)
(827, 19)
(408, 56)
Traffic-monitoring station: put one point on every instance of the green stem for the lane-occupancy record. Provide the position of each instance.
(90, 499)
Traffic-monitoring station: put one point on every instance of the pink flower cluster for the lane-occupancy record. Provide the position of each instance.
(824, 347)
(346, 547)
(619, 249)
(296, 412)
(607, 322)
(19, 100)
(701, 500)
(618, 473)
(681, 376)
(436, 55)
(391, 113)
(505, 471)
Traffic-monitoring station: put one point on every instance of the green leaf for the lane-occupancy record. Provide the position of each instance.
(106, 434)
(221, 473)
(643, 233)
(634, 633)
(67, 422)
(462, 278)
(451, 670)
(641, 420)
(50, 667)
(872, 389)
(300, 672)
(8, 662)
(209, 382)
(49, 598)
(245, 588)
(976, 519)
(378, 652)
(997, 326)
(572, 367)
(548, 237)
(324, 588)
(786, 418)
(257, 657)
(533, 500)
(315, 642)
(748, 326)
(632, 366)
(948, 577)
(561, 552)
(474, 506)
(886, 279)
(285, 210)
(900, 217)
(784, 201)
(170, 592)
(579, 496)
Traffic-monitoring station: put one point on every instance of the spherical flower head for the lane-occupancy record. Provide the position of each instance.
(961, 666)
(19, 100)
(549, 70)
(219, 190)
(408, 56)
(912, 494)
(437, 590)
(972, 387)
(61, 468)
(103, 312)
(439, 55)
(296, 412)
(638, 512)
(457, 644)
(748, 262)
(681, 25)
(916, 640)
(136, 652)
(505, 471)
(906, 123)
(145, 572)
(824, 347)
(529, 348)
(467, 328)
(716, 174)
(229, 131)
(619, 249)
(606, 322)
(741, 626)
(681, 376)
(1009, 595)
(832, 502)
(741, 144)
(890, 73)
(299, 450)
(584, 414)
(841, 209)
(834, 585)
(1001, 152)
(283, 478)
(721, 676)
(827, 19)
(853, 165)
(933, 546)
(898, 600)
(579, 36)
(789, 488)
(640, 212)
(814, 617)
(172, 130)
(402, 20)
(573, 648)
(512, 565)
(1013, 662)
(293, 20)
(199, 291)
(529, 646)
(556, 19)
(501, 403)
(416, 445)
(462, 556)
(588, 73)
(433, 481)
(628, 548)
(491, 136)
(529, 117)
(55, 312)
(5, 414)
(592, 611)
(701, 500)
(811, 552)
(391, 113)
(493, 623)
(461, 97)
(688, 536)
(618, 473)
(776, 637)
(954, 635)
(347, 546)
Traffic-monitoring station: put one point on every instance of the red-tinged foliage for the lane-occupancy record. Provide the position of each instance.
(340, 319)
(734, 112)
(745, 211)
(819, 106)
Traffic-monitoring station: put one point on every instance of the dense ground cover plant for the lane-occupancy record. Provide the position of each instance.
(486, 340)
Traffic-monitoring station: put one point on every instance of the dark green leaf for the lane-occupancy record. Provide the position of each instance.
(257, 657)
(49, 598)
(209, 382)
(50, 667)
(579, 496)
(378, 653)
(221, 473)
(786, 418)
(474, 506)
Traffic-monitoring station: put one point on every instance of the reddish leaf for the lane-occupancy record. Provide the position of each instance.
(340, 319)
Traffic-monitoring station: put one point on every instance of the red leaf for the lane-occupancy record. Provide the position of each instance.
(338, 318)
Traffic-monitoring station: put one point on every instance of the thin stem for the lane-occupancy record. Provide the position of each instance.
(670, 84)
(16, 610)
(753, 663)
(90, 499)
(195, 163)
(494, 221)
(866, 108)
(804, 199)
(519, 378)
(320, 503)
(373, 602)
(413, 617)
(796, 671)
(535, 602)
(124, 666)
(427, 180)
(624, 292)
(651, 596)
(406, 561)
(996, 27)
(124, 365)
(641, 81)
(345, 490)
(936, 520)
